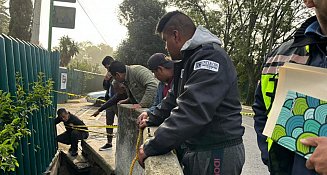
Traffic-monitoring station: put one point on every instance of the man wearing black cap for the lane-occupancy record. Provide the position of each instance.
(72, 134)
(163, 69)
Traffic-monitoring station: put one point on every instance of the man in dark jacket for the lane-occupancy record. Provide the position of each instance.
(72, 135)
(203, 112)
(163, 69)
(107, 81)
(308, 47)
(112, 110)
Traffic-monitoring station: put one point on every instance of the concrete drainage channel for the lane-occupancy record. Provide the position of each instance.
(67, 165)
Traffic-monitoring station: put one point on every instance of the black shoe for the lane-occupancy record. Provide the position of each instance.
(73, 153)
(106, 147)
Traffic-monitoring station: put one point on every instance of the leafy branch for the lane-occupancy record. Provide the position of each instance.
(14, 112)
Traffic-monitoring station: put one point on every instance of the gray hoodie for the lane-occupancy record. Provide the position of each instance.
(201, 36)
(204, 110)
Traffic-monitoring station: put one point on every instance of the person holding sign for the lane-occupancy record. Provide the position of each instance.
(307, 47)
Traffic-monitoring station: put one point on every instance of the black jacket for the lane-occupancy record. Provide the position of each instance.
(203, 111)
(73, 120)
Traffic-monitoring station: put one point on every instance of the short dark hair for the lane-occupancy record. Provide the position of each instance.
(107, 60)
(61, 111)
(176, 20)
(117, 67)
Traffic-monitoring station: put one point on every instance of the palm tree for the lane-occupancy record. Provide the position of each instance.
(68, 49)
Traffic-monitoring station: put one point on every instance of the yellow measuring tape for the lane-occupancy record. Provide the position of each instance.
(137, 151)
(76, 95)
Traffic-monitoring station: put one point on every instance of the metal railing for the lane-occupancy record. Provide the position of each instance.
(35, 152)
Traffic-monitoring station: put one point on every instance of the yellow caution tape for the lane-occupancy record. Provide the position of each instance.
(81, 96)
(95, 126)
(86, 130)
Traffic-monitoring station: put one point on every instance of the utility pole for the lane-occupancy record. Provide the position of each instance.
(36, 21)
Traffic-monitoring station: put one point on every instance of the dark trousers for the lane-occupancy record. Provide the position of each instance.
(110, 117)
(72, 138)
(225, 161)
(285, 162)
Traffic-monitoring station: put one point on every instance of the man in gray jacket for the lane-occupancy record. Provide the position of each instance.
(139, 81)
(203, 111)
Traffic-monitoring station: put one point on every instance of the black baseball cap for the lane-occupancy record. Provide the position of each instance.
(159, 59)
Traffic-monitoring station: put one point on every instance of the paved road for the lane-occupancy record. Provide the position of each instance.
(253, 164)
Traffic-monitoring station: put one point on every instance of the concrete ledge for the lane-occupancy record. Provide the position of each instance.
(164, 164)
(126, 145)
(54, 165)
(127, 134)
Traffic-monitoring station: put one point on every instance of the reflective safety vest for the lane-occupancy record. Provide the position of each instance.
(269, 76)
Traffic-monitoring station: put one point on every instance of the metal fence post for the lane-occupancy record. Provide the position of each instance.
(26, 157)
(55, 56)
(40, 113)
(36, 116)
(47, 138)
(12, 89)
(26, 81)
(3, 66)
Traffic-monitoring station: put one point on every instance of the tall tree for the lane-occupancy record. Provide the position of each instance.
(84, 65)
(21, 12)
(249, 30)
(4, 17)
(140, 17)
(68, 49)
(91, 54)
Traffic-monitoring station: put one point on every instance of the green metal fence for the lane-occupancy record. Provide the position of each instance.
(80, 83)
(35, 152)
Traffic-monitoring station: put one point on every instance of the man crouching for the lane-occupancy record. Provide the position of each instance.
(71, 136)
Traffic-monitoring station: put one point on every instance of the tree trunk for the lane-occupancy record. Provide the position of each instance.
(250, 90)
(20, 19)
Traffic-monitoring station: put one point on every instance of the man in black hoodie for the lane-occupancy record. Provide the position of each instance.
(71, 136)
(203, 111)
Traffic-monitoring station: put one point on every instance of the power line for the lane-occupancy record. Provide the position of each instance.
(96, 28)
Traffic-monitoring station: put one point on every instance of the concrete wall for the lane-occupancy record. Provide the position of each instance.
(127, 134)
(126, 144)
(164, 164)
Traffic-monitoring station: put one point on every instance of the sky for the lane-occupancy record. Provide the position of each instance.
(103, 14)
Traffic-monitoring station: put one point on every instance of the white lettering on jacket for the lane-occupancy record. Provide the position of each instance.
(206, 64)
